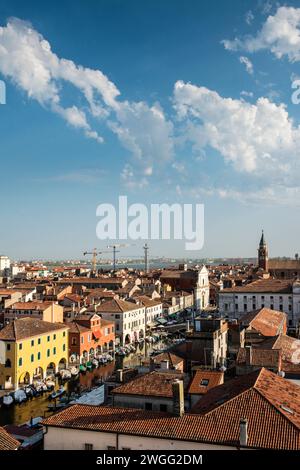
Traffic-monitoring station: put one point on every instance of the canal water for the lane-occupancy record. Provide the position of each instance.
(38, 406)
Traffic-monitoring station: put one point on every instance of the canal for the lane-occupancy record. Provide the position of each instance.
(38, 406)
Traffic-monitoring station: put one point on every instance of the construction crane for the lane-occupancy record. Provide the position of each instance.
(114, 248)
(146, 249)
(94, 254)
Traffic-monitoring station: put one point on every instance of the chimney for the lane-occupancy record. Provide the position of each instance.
(249, 355)
(152, 364)
(119, 375)
(164, 365)
(178, 398)
(243, 432)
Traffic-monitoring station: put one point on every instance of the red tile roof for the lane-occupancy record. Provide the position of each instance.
(266, 321)
(27, 327)
(270, 404)
(7, 442)
(156, 383)
(262, 285)
(205, 380)
(117, 306)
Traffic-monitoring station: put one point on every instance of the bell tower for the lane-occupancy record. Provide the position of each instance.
(263, 253)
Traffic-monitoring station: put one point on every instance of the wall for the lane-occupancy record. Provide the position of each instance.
(74, 439)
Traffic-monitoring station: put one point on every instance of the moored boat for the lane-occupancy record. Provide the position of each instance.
(95, 363)
(82, 368)
(8, 400)
(65, 374)
(74, 371)
(20, 396)
(58, 393)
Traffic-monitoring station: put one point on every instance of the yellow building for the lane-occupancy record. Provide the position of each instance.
(31, 349)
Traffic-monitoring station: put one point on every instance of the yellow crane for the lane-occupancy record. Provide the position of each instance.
(94, 254)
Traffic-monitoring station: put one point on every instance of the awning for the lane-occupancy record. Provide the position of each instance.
(96, 334)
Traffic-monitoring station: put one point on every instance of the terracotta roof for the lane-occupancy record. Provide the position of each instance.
(7, 442)
(262, 285)
(284, 264)
(290, 351)
(205, 380)
(260, 357)
(266, 321)
(117, 306)
(30, 305)
(269, 403)
(27, 327)
(154, 383)
(168, 356)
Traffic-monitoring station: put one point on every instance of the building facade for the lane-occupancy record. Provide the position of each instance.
(31, 349)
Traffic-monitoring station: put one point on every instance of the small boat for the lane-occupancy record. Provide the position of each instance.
(58, 393)
(20, 396)
(8, 400)
(74, 371)
(65, 374)
(56, 406)
(30, 391)
(89, 365)
(109, 357)
(95, 363)
(82, 368)
(50, 384)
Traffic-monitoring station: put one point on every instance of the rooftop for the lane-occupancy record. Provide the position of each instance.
(154, 383)
(270, 404)
(24, 328)
(204, 380)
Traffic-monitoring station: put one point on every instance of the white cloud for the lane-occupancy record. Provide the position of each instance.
(280, 34)
(248, 64)
(27, 59)
(249, 17)
(248, 94)
(259, 139)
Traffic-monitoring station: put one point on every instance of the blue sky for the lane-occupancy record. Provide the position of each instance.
(192, 103)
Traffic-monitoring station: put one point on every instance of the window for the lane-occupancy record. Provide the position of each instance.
(32, 357)
(74, 341)
(48, 338)
(48, 352)
(20, 346)
(163, 407)
(32, 342)
(82, 340)
(290, 308)
(8, 363)
(204, 382)
(20, 362)
(8, 347)
(117, 317)
(254, 307)
(54, 336)
(88, 446)
(39, 341)
(281, 307)
(272, 307)
(54, 350)
(245, 307)
(64, 347)
(148, 406)
(64, 334)
(39, 355)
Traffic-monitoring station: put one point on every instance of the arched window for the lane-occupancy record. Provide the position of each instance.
(8, 363)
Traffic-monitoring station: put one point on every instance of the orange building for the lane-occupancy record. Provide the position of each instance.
(90, 335)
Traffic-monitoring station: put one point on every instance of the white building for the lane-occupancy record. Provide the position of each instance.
(129, 319)
(4, 265)
(276, 294)
(202, 289)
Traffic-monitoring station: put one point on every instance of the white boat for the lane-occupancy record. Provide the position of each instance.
(8, 400)
(74, 371)
(50, 384)
(65, 374)
(20, 396)
(109, 357)
(95, 363)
